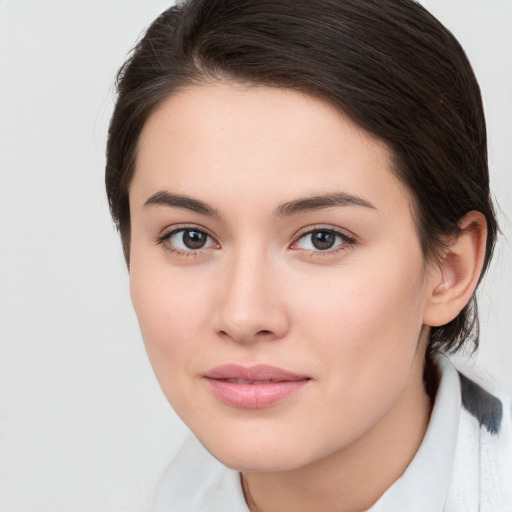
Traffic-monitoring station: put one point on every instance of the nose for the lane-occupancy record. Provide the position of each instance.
(252, 304)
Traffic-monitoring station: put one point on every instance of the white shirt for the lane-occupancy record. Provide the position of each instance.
(464, 463)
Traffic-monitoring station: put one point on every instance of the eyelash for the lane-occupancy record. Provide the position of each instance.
(345, 241)
(163, 240)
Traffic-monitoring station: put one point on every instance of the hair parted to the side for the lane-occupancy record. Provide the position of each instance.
(388, 64)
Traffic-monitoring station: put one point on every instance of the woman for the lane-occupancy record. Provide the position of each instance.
(302, 194)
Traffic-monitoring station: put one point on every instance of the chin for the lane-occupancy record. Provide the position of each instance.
(251, 456)
(256, 464)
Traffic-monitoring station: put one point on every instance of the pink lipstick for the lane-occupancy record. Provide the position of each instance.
(253, 387)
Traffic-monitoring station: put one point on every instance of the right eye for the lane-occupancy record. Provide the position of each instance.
(187, 240)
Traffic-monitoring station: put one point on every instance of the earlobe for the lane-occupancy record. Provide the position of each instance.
(456, 277)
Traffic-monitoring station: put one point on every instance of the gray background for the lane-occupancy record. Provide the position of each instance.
(83, 424)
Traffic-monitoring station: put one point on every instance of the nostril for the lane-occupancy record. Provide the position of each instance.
(251, 325)
(262, 334)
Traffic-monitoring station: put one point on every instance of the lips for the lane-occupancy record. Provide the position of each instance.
(253, 387)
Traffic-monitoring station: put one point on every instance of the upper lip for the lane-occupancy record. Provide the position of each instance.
(259, 372)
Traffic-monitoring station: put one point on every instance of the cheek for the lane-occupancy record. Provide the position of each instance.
(366, 317)
(167, 310)
(171, 321)
(364, 328)
(172, 312)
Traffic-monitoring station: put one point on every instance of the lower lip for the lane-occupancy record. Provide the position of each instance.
(254, 396)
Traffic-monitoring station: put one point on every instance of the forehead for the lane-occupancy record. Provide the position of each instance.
(222, 139)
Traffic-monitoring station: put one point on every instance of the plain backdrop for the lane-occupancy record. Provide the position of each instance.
(84, 426)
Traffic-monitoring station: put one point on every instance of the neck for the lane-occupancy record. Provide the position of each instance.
(355, 477)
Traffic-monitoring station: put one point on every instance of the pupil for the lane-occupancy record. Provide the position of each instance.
(323, 240)
(194, 239)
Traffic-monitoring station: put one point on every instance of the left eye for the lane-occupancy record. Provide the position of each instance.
(321, 240)
(189, 240)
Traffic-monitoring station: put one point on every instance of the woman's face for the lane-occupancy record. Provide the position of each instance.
(268, 229)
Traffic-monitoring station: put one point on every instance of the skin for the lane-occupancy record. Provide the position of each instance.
(351, 318)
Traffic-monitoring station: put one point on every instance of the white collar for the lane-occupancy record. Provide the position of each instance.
(424, 485)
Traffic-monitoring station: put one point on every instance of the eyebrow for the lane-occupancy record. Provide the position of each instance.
(308, 204)
(164, 198)
(297, 206)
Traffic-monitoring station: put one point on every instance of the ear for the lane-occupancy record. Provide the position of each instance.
(454, 279)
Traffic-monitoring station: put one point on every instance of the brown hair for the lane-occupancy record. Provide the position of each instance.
(388, 64)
